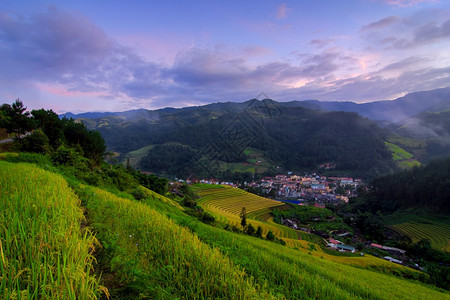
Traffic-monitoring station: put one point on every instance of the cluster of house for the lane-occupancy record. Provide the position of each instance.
(340, 246)
(316, 188)
(394, 251)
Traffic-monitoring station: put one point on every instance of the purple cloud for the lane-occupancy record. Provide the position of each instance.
(380, 24)
(77, 56)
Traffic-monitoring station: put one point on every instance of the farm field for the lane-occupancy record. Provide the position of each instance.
(226, 202)
(151, 249)
(437, 231)
(136, 155)
(404, 159)
(256, 162)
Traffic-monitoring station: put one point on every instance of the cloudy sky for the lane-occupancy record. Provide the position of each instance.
(118, 55)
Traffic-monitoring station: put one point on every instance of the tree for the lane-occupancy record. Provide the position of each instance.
(259, 232)
(91, 142)
(270, 236)
(50, 124)
(243, 216)
(37, 142)
(249, 229)
(18, 119)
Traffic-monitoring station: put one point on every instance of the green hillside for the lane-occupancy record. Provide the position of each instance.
(150, 248)
(255, 136)
(403, 158)
(418, 225)
(75, 227)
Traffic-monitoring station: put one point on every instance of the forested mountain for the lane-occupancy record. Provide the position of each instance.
(191, 141)
(421, 187)
(295, 135)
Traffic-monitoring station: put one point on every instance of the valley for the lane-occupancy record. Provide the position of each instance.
(126, 233)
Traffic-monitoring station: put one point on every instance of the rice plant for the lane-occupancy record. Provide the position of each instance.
(44, 252)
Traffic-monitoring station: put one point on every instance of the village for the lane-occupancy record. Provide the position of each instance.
(309, 189)
(318, 191)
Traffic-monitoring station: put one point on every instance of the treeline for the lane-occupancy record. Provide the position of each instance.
(422, 187)
(42, 131)
(67, 146)
(427, 187)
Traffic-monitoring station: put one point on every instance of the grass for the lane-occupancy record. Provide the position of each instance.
(44, 251)
(151, 249)
(156, 258)
(256, 161)
(225, 203)
(418, 227)
(404, 159)
(136, 155)
(290, 274)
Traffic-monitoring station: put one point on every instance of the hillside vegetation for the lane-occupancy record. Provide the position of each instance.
(45, 253)
(74, 227)
(159, 258)
(208, 140)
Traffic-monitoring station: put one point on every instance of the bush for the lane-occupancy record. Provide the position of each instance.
(65, 156)
(249, 229)
(188, 202)
(207, 218)
(36, 142)
(139, 193)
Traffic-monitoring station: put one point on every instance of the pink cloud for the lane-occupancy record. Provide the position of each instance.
(60, 90)
(282, 11)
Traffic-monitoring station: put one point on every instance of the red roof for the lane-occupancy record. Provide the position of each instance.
(333, 241)
(376, 246)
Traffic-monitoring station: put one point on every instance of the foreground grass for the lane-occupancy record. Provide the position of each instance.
(151, 249)
(44, 254)
(151, 256)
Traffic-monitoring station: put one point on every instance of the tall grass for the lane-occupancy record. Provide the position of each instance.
(44, 254)
(291, 274)
(151, 256)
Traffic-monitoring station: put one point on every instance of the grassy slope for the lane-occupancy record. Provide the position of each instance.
(136, 155)
(44, 252)
(150, 255)
(421, 226)
(225, 203)
(404, 159)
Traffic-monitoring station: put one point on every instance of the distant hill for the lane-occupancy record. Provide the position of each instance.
(210, 139)
(388, 110)
(295, 135)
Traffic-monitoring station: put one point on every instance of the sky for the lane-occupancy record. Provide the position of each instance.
(81, 56)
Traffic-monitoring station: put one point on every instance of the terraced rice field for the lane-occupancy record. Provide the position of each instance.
(226, 202)
(423, 228)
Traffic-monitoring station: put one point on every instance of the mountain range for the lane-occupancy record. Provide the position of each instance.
(265, 135)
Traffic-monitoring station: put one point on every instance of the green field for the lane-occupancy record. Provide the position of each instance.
(437, 230)
(151, 249)
(404, 159)
(136, 155)
(226, 202)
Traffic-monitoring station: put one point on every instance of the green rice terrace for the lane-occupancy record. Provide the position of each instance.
(61, 238)
(404, 159)
(226, 202)
(421, 227)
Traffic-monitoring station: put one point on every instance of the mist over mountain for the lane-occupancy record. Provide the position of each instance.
(389, 110)
(295, 135)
